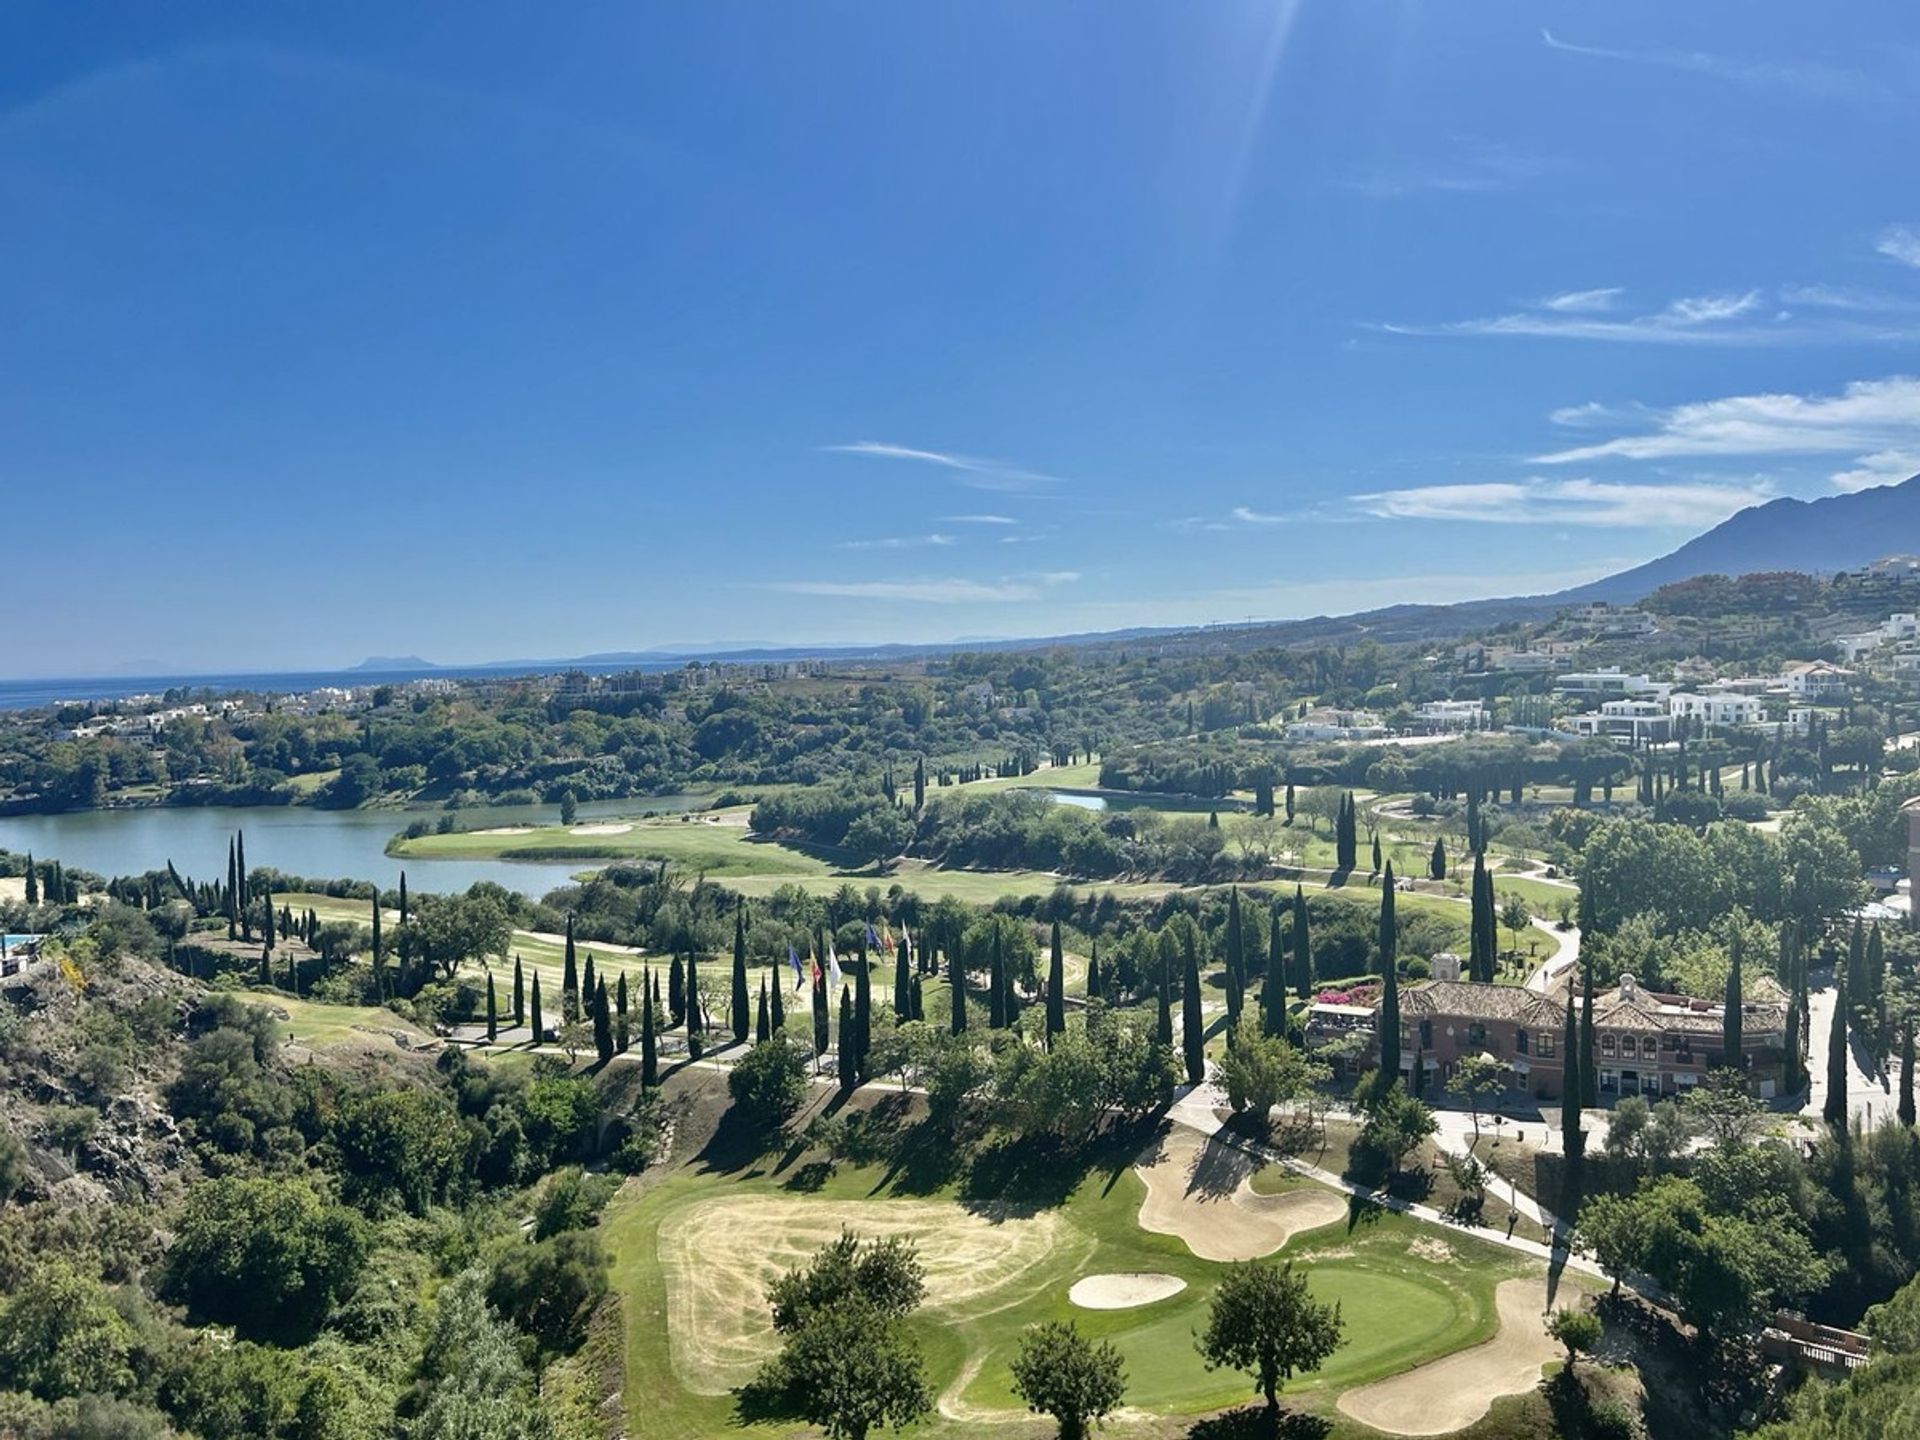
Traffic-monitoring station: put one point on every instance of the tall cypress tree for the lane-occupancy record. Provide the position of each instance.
(740, 973)
(1273, 994)
(1056, 987)
(241, 893)
(862, 1012)
(676, 993)
(1390, 988)
(602, 1023)
(1437, 861)
(1480, 932)
(570, 979)
(1376, 853)
(539, 1025)
(406, 914)
(1589, 1069)
(1572, 1138)
(1906, 1074)
(997, 986)
(587, 977)
(696, 1009)
(777, 988)
(849, 1058)
(1792, 1079)
(379, 945)
(763, 1020)
(956, 994)
(620, 1031)
(1236, 963)
(820, 1026)
(920, 784)
(266, 965)
(902, 980)
(1193, 1039)
(1835, 1108)
(649, 1044)
(233, 891)
(519, 993)
(919, 1001)
(493, 1012)
(1730, 1017)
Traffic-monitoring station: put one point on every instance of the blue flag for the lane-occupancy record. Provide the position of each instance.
(799, 979)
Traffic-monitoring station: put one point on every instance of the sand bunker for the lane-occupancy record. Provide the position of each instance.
(719, 1256)
(1123, 1292)
(1202, 1191)
(1452, 1393)
(506, 830)
(606, 829)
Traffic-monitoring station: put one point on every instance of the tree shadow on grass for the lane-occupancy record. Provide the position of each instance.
(1024, 1174)
(1256, 1422)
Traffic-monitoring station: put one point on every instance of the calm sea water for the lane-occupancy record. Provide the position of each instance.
(329, 844)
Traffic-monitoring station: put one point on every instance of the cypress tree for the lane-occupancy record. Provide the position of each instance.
(1056, 987)
(1390, 989)
(1730, 1017)
(1835, 1109)
(920, 784)
(902, 981)
(621, 1034)
(1236, 963)
(1572, 1138)
(586, 977)
(1302, 947)
(493, 1012)
(539, 1025)
(862, 1012)
(740, 973)
(405, 913)
(997, 987)
(266, 965)
(763, 1017)
(849, 1060)
(676, 993)
(1480, 931)
(1376, 854)
(1290, 802)
(570, 979)
(240, 895)
(293, 974)
(820, 1026)
(649, 1045)
(1096, 984)
(379, 945)
(776, 988)
(1437, 861)
(1193, 1038)
(233, 889)
(696, 1008)
(956, 995)
(1163, 1011)
(1589, 1071)
(1792, 1079)
(519, 993)
(602, 1023)
(1906, 1073)
(1857, 963)
(1273, 993)
(919, 1001)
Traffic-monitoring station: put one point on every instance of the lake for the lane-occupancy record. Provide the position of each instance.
(1078, 800)
(319, 844)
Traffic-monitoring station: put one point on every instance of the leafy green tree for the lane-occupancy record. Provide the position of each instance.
(401, 1147)
(884, 1274)
(1578, 1330)
(1261, 1071)
(1476, 1079)
(769, 1083)
(60, 1335)
(1059, 1372)
(549, 1288)
(850, 1369)
(1265, 1321)
(476, 1386)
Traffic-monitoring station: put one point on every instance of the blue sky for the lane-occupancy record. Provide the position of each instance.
(498, 330)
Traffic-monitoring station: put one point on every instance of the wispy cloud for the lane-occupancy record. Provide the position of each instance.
(897, 542)
(1247, 515)
(1690, 320)
(980, 473)
(951, 590)
(1584, 302)
(979, 519)
(1566, 502)
(1811, 78)
(1882, 467)
(1869, 415)
(1901, 243)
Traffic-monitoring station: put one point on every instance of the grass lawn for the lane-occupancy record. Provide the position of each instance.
(322, 1026)
(714, 841)
(1403, 1302)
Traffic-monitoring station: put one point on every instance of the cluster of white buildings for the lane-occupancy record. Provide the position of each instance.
(1639, 710)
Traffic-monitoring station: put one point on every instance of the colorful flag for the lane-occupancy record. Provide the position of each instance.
(799, 977)
(833, 964)
(886, 937)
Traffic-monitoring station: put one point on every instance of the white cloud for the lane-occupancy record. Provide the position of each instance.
(979, 519)
(1867, 415)
(1059, 577)
(897, 542)
(980, 474)
(1901, 243)
(1584, 302)
(1246, 515)
(1538, 501)
(1882, 467)
(1813, 79)
(1689, 320)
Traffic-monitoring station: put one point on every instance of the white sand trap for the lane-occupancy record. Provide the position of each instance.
(1124, 1292)
(1451, 1393)
(608, 828)
(1202, 1191)
(506, 830)
(719, 1256)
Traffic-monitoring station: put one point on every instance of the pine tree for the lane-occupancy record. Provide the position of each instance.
(1193, 1037)
(902, 981)
(1835, 1109)
(862, 1012)
(620, 1031)
(538, 1023)
(1302, 947)
(1390, 989)
(1730, 1017)
(519, 993)
(676, 993)
(649, 1043)
(570, 980)
(1857, 962)
(1589, 1069)
(763, 1019)
(1906, 1074)
(493, 1012)
(997, 987)
(1056, 987)
(849, 1060)
(602, 1023)
(956, 994)
(740, 1018)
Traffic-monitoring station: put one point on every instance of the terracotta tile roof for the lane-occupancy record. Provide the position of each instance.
(1481, 1002)
(1643, 1011)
